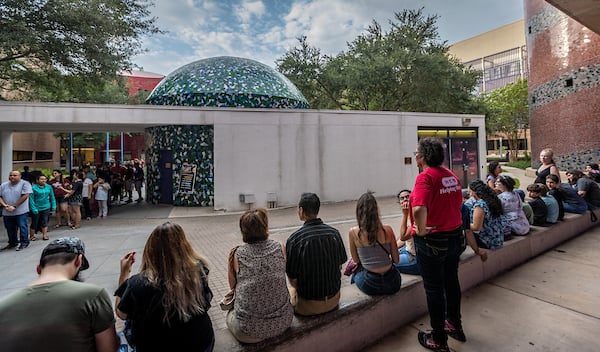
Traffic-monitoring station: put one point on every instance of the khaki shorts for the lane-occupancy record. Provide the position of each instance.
(312, 307)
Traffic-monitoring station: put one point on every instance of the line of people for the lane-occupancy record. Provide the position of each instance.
(32, 194)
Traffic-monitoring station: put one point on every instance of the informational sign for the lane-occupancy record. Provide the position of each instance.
(187, 179)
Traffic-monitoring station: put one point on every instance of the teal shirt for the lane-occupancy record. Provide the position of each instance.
(41, 198)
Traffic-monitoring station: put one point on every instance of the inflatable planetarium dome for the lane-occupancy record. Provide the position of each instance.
(226, 81)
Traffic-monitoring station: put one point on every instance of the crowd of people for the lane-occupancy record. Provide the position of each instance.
(31, 194)
(165, 305)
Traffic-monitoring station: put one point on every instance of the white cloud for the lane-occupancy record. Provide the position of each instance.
(250, 9)
(265, 30)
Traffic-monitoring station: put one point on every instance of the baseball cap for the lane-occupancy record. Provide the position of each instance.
(67, 245)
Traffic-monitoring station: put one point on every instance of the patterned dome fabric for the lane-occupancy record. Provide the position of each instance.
(228, 82)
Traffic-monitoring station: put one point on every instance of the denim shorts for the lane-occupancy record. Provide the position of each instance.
(378, 284)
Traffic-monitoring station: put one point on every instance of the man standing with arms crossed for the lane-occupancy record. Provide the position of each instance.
(315, 254)
(14, 199)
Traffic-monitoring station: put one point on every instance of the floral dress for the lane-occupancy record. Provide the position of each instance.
(514, 215)
(491, 234)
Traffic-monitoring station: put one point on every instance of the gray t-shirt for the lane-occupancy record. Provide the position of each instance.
(591, 189)
(11, 194)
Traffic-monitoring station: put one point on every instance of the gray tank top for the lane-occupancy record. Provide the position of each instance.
(374, 257)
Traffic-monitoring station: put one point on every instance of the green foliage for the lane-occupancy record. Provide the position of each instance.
(48, 45)
(520, 164)
(508, 113)
(406, 68)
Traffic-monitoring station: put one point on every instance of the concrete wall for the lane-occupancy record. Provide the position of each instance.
(336, 154)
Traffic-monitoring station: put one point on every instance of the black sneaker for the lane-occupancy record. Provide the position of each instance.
(10, 246)
(454, 332)
(426, 340)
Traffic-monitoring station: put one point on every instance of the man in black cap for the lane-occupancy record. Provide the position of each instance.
(56, 312)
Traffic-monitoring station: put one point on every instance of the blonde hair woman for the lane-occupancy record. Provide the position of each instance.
(548, 166)
(166, 303)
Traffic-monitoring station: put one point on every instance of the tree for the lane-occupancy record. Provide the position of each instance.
(406, 68)
(508, 113)
(46, 44)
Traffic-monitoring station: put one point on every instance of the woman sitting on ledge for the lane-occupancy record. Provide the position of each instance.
(373, 246)
(487, 220)
(517, 222)
(256, 272)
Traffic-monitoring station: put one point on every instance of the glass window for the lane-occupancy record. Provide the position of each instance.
(22, 155)
(43, 155)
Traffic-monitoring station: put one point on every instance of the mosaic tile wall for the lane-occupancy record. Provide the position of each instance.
(228, 82)
(190, 144)
(567, 83)
(577, 160)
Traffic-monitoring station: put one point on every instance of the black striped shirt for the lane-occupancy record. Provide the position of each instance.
(314, 255)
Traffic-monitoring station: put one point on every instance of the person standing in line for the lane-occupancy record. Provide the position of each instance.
(102, 188)
(128, 177)
(74, 197)
(59, 187)
(41, 203)
(14, 199)
(315, 254)
(86, 194)
(435, 208)
(56, 312)
(138, 178)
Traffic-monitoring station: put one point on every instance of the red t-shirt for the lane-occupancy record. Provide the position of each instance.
(439, 190)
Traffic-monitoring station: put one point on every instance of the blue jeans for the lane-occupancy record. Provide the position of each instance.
(438, 257)
(405, 265)
(377, 284)
(14, 224)
(570, 208)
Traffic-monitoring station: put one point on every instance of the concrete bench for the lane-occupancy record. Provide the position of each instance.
(361, 319)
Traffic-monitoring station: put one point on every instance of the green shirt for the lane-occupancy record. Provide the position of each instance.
(58, 316)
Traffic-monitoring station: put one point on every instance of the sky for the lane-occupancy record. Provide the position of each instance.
(264, 30)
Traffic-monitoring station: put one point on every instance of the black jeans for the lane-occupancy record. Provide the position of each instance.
(438, 257)
(86, 207)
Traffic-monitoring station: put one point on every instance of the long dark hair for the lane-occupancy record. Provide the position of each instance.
(507, 181)
(367, 216)
(488, 195)
(492, 168)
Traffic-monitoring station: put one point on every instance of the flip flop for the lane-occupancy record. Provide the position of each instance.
(46, 238)
(57, 226)
(33, 238)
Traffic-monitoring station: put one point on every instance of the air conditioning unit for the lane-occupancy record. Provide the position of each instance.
(247, 198)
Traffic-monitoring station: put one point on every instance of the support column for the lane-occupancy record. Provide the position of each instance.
(6, 151)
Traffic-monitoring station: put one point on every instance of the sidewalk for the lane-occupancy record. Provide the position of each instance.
(551, 303)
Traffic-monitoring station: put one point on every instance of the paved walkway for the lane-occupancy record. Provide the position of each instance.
(213, 234)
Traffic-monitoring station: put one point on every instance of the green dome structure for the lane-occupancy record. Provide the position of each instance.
(227, 81)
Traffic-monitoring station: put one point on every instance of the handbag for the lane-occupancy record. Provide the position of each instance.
(228, 300)
(351, 268)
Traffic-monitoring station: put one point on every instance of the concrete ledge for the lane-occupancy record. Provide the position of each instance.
(361, 319)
